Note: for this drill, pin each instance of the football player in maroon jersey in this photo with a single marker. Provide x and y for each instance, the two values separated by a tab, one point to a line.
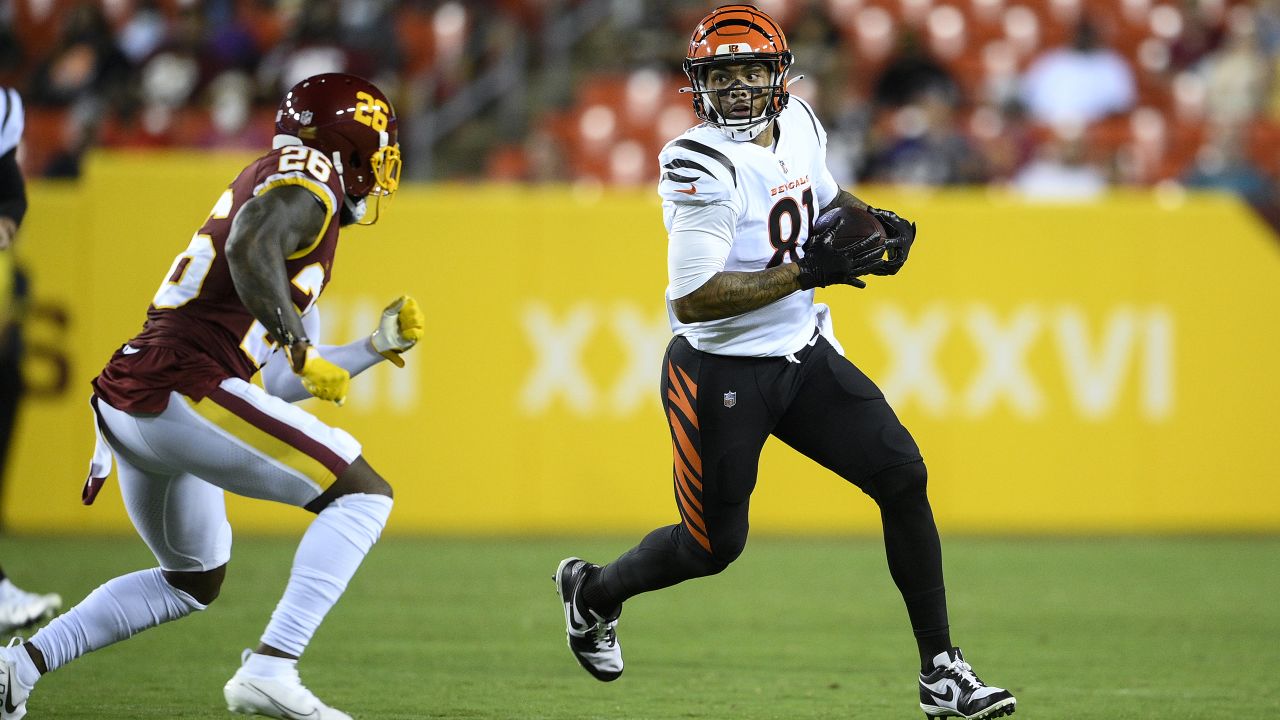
176	408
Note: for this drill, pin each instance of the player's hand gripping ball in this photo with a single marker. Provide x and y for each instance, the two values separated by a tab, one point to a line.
845	242
899	235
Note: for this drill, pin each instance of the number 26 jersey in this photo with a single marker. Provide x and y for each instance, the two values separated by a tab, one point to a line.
197	331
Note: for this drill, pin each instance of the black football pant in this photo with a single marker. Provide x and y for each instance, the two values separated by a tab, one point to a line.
721	409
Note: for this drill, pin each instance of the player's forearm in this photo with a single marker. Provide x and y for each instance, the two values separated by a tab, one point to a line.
255	249
846	199
732	293
266	296
355	357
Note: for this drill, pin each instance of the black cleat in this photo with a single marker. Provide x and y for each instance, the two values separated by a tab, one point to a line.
593	639
952	689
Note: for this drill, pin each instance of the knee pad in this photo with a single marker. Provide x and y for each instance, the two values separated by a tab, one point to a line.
723	555
901	483
723	552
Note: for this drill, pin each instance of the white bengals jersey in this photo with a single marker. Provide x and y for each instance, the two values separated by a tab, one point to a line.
774	195
11	120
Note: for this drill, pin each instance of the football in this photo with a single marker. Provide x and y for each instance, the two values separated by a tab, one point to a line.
859	227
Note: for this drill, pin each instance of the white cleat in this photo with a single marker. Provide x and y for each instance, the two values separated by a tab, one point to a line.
952	689
592	638
20	609
278	697
13	694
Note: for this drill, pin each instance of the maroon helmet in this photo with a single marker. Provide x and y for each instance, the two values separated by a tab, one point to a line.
351	121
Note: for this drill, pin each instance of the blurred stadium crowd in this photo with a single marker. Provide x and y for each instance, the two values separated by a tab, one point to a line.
1057	98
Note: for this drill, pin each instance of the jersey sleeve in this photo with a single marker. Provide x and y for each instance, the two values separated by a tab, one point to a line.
699	238
11	120
696	174
308	168
825	187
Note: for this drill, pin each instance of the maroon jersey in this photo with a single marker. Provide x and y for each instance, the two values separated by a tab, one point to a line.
198	332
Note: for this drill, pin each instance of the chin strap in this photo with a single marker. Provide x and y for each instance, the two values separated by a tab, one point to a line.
738	133
358	209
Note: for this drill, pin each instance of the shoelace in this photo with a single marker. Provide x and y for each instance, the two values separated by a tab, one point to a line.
604	634
962	672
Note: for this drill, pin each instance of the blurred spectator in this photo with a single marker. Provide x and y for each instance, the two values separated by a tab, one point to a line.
1236	76
1223	163
1078	84
815	43
230	98
170	77
546	158
927	146
477	79
1061	170
143	32
76	137
1200	36
229	43
1007	139
1268	17
84	67
912	73
314	46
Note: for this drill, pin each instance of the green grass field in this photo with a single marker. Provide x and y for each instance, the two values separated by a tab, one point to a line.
454	628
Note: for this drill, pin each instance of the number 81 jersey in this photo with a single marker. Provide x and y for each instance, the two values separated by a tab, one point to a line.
775	195
197	331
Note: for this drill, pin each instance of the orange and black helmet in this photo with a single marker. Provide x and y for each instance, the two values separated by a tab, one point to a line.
734	35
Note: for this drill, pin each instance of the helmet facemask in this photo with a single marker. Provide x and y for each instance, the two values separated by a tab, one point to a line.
713	99
353	123
385	166
737	35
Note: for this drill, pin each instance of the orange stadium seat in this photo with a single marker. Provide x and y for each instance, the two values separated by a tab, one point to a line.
616	118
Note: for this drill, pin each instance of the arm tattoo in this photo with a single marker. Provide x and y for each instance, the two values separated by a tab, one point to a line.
845	198
732	293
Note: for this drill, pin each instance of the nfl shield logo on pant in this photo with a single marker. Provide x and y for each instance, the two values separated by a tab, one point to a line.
730	399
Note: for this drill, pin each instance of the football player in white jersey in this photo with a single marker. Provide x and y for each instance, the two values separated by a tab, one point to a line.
744	200
18	608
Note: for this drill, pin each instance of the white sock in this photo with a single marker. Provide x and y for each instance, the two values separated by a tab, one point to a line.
330	551
7	588
27	671
267	666
118	609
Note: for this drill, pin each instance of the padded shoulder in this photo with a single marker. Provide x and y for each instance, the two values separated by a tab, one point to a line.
304	166
694	172
810	119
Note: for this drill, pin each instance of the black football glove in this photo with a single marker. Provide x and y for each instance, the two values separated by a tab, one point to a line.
832	260
899	234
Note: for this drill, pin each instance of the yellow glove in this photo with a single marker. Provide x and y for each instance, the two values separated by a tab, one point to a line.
322	378
399	329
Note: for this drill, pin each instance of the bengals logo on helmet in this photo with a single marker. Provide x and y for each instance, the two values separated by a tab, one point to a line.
738	34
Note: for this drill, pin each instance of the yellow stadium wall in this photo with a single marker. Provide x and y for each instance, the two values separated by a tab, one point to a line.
1065	368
